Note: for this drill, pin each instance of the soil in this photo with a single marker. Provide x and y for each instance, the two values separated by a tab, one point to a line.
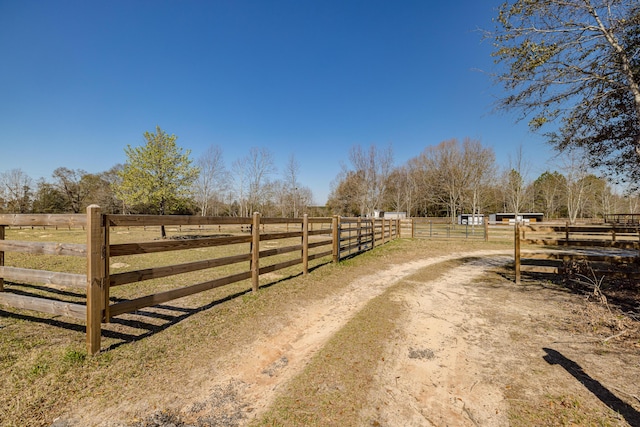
473	349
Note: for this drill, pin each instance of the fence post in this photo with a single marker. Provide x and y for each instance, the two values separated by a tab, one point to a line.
255	252
413	228
335	236
1	257
485	221
359	233
566	235
305	244
373	233
516	256
95	278
106	284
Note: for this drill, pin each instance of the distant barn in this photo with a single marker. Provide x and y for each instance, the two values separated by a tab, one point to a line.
510	217
471	219
389	215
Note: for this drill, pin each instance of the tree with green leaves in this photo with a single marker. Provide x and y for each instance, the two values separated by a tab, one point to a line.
158	173
575	63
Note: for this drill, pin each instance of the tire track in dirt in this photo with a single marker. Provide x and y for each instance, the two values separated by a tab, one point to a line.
248	382
433	377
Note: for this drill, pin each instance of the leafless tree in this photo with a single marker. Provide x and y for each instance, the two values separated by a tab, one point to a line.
213	179
374	167
576	171
17	187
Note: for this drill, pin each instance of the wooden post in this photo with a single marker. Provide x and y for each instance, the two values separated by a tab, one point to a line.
485	220
516	263
107	285
95	278
373	233
305	244
1	257
566	231
335	236
359	233
413	228
255	252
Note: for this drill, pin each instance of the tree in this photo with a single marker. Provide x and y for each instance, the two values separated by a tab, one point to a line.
213	178
577	62
345	196
576	183
49	199
69	182
479	163
157	173
548	191
260	165
372	167
17	187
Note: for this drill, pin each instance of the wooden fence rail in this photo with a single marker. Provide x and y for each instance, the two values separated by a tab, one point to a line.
606	243
336	237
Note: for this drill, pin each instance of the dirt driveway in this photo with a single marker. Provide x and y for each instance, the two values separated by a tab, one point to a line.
468	348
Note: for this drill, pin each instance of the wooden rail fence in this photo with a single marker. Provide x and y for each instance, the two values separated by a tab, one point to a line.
603	245
336	237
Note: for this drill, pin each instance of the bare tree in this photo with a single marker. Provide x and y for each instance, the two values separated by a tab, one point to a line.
514	182
213	178
239	179
17	187
260	166
576	170
479	162
374	167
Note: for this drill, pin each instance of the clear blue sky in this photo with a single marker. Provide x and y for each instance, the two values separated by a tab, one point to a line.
80	80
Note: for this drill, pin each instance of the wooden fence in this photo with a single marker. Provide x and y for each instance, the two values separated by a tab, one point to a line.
336	237
605	246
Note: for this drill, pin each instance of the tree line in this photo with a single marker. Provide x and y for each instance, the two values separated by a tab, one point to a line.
159	178
455	177
444	180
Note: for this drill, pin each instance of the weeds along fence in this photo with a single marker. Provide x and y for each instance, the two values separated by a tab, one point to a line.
608	249
245	249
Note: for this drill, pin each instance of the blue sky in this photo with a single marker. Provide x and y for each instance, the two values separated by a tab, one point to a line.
80	80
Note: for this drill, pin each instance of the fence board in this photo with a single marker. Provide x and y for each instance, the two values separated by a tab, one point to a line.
588	243
277	236
173	245
279	266
44	248
162	297
279	251
43	305
320	255
43	276
158	220
41	220
319	244
159	272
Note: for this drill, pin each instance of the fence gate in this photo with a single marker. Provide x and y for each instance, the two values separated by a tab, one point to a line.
355	235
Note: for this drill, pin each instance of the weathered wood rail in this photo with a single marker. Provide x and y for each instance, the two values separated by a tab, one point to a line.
336	237
605	246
